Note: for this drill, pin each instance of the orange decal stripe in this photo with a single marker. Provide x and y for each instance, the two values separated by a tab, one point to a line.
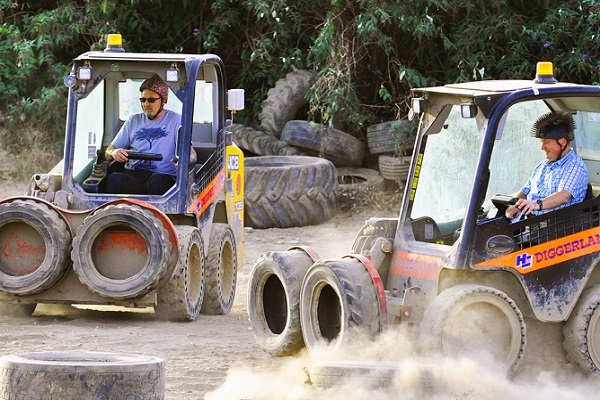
208	195
416	266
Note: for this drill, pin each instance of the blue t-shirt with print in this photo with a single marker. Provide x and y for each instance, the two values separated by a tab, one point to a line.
144	135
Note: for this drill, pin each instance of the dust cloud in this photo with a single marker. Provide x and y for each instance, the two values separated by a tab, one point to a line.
391	368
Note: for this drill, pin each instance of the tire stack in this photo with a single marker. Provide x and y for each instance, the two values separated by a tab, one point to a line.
298	172
393	149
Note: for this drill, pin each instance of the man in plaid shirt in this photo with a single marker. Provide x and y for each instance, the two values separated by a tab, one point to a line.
562	178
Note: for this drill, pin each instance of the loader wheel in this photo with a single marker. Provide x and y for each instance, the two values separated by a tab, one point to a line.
582	332
81	375
34	247
472	320
338	302
285	192
274	301
121	251
221	271
342	149
181	298
261	143
285	100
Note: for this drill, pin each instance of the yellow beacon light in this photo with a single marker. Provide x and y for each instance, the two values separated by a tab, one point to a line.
544	72
114	42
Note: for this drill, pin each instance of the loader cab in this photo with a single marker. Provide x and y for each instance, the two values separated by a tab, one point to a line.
473	150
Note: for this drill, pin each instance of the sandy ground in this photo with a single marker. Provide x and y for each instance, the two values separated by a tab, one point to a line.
216	357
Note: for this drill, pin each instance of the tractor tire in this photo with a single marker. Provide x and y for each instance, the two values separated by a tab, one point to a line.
274	301
181	298
285	192
342	149
382	140
260	143
473	320
117	235
34	247
582	332
81	375
221	271
338	302
394	168
415	378
285	100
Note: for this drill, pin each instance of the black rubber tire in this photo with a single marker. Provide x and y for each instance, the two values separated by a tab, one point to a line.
35	243
416	378
338	303
394	168
181	298
81	375
353	181
342	149
582	332
285	192
221	271
261	143
469	319
98	274
274	301
381	138
285	100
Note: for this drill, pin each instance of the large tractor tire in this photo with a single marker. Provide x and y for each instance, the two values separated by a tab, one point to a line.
285	100
338	302
475	321
181	298
342	149
274	301
582	332
34	247
261	143
221	271
285	192
121	251
81	375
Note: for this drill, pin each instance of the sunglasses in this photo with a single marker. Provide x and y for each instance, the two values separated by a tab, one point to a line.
150	100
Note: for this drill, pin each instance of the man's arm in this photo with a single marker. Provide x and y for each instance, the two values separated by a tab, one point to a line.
113	153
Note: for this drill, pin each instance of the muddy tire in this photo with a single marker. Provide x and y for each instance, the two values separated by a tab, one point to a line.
274	301
34	247
285	192
221	271
342	149
81	375
338	302
386	138
121	251
181	298
582	332
284	100
476	321
353	182
261	143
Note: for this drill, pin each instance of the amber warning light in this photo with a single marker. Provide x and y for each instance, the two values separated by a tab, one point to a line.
114	42
544	72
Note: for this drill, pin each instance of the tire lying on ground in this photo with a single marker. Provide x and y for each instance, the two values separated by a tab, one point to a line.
352	181
274	301
121	251
181	298
261	143
338	303
342	149
35	243
284	100
475	321
284	192
220	279
81	375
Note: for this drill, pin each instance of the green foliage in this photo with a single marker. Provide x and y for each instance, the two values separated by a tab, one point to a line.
368	53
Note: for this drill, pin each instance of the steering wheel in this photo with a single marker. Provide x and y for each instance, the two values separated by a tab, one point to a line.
145	156
502	202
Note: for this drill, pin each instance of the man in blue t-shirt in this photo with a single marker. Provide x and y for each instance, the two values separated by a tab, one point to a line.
153	131
562	178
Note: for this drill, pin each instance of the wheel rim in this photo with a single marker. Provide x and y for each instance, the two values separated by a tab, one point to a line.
593	334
